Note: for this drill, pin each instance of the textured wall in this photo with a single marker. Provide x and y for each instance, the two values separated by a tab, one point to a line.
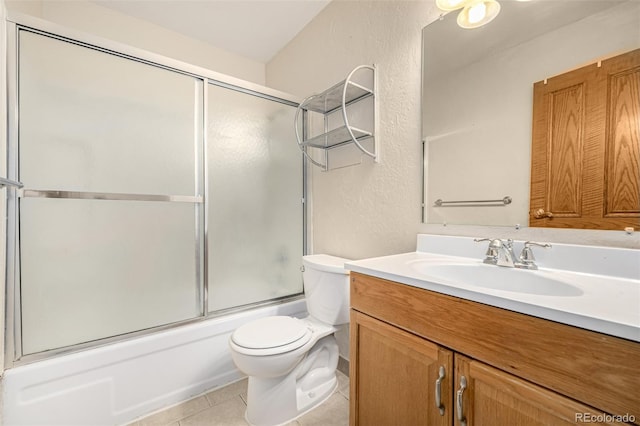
374	209
370	209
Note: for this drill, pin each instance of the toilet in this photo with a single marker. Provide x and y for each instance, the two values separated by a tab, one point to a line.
291	362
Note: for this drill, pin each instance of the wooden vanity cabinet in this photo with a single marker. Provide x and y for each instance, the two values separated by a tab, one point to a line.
518	370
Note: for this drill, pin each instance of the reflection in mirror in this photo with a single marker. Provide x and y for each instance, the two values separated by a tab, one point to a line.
478	94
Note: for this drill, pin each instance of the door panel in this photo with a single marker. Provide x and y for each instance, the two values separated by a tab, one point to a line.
585	162
493	397
394	374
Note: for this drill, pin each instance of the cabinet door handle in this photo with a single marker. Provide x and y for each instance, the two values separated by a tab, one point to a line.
459	396
439	405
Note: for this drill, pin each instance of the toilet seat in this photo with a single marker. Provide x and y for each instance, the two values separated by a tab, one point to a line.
271	335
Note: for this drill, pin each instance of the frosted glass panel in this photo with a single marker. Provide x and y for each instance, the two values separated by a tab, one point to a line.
93	269
92	121
255	191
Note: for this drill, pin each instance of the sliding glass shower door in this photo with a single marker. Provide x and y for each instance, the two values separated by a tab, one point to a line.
152	196
255	193
110	154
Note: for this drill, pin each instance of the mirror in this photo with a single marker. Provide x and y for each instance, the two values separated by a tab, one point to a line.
477	95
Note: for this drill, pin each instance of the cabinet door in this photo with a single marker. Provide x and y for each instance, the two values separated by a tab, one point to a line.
394	376
485	396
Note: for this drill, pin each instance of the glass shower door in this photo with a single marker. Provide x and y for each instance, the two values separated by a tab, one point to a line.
110	153
254	197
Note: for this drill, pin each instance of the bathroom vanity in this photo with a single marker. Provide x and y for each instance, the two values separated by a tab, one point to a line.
420	356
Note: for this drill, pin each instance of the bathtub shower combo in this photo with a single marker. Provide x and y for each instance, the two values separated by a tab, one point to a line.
159	202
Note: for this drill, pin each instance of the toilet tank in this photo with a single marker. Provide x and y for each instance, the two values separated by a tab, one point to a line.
326	288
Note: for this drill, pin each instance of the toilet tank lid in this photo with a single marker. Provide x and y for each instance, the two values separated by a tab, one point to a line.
325	262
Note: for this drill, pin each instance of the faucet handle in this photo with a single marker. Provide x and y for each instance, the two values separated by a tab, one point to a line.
493	242
495	245
478	240
528	244
527	259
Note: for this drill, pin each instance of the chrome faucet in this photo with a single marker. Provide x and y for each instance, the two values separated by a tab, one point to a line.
501	253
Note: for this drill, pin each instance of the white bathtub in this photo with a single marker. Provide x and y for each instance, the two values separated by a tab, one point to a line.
117	383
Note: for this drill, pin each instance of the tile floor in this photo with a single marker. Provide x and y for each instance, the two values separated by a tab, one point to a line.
226	406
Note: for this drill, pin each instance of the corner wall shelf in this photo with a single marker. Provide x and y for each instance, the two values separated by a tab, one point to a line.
337	100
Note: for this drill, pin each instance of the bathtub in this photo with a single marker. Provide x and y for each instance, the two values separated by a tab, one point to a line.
118	383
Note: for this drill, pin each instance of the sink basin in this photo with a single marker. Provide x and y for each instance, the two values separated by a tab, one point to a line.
497	278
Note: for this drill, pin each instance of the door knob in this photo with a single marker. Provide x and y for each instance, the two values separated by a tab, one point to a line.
540	214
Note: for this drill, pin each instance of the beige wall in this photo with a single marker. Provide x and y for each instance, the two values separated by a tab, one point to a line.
97	20
374	209
369	209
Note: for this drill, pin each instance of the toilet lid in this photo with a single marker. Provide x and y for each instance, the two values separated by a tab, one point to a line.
272	332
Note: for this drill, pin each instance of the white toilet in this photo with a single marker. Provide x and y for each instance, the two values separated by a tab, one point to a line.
291	362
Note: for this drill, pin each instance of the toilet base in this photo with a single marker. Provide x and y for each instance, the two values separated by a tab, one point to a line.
313	403
316	396
277	401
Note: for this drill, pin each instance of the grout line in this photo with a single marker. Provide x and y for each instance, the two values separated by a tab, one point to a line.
179	422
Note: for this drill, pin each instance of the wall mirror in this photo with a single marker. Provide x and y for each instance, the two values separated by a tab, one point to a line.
477	95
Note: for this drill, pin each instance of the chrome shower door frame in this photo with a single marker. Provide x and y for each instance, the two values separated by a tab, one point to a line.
15	23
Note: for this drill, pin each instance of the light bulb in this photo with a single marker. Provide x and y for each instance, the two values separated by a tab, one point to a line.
477	12
448	5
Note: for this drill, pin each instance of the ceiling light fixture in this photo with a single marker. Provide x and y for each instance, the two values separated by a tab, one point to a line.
474	13
448	5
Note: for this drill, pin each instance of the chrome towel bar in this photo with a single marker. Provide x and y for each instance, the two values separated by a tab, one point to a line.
502	202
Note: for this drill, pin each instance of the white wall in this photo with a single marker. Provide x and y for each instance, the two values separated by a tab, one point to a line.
104	22
375	209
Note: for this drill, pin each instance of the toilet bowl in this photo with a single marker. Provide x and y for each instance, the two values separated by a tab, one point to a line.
291	362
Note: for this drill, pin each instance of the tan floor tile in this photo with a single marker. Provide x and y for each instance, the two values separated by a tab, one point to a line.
227	413
226	407
228	392
343	384
168	424
176	413
333	412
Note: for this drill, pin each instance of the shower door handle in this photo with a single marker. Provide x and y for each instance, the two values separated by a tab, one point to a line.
8	182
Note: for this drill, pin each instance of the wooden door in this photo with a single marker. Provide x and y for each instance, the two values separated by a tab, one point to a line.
393	376
585	165
493	397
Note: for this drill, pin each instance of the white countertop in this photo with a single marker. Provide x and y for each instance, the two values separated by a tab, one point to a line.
604	303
